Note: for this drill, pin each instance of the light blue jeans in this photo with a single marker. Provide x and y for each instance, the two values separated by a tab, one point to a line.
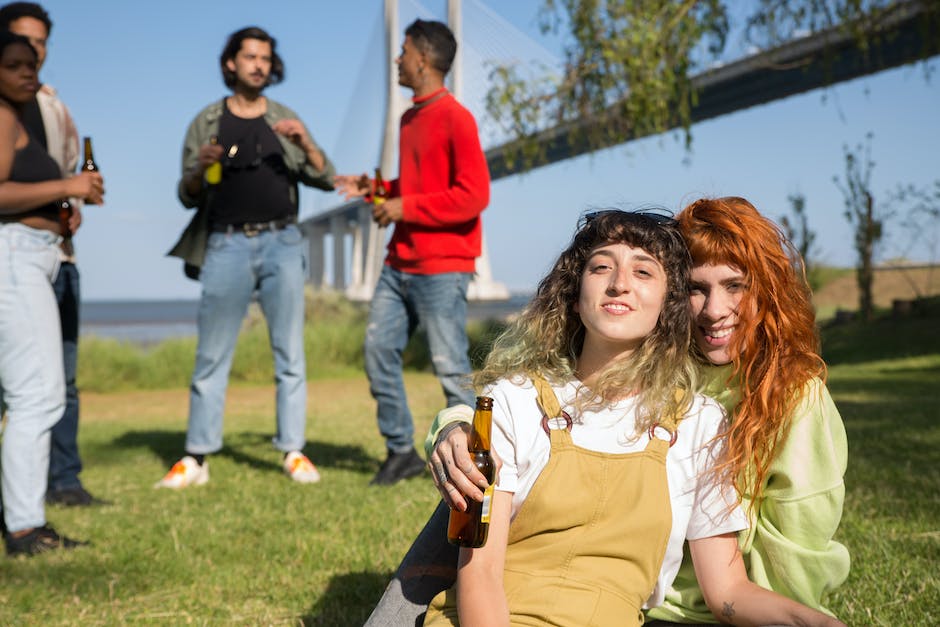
31	371
272	266
402	301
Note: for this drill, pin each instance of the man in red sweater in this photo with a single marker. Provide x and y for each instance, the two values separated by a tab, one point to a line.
435	205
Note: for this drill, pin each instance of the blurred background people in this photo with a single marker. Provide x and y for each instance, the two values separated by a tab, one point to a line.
243	157
50	123
31	366
443	186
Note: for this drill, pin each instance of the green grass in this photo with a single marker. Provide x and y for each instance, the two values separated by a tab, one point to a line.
252	548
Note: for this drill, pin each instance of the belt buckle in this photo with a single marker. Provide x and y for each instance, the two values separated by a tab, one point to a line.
250	230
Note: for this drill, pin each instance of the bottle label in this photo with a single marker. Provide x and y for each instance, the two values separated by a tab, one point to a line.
485	505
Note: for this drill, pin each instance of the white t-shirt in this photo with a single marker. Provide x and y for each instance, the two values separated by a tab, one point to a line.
700	508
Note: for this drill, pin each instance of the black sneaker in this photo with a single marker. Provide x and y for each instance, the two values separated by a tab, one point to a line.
39	540
73	497
398	466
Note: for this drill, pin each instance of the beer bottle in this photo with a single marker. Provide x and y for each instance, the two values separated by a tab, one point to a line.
89	165
214	172
65	214
469	528
380	193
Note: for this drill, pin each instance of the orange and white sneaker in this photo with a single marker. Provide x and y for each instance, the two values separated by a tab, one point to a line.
184	473
299	468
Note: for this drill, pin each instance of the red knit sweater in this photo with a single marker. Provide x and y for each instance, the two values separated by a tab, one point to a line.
444	184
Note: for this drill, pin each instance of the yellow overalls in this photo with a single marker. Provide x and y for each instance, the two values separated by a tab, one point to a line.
588	543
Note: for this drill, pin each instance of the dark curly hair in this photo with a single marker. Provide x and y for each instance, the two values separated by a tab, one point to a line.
234	44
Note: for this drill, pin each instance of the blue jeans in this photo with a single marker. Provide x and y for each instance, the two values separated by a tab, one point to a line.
31	378
64	461
402	301
271	265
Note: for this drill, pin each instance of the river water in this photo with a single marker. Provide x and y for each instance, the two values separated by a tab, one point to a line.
148	322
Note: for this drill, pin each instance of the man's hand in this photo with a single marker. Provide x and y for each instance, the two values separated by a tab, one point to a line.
208	154
455	475
296	134
389	211
294	131
352	186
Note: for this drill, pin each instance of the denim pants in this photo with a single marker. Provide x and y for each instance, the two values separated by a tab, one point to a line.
428	568
272	266
31	377
402	301
64	462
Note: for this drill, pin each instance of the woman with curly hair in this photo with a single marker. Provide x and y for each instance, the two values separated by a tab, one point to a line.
608	457
786	454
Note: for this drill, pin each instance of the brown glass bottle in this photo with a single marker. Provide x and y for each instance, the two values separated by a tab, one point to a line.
65	215
89	165
380	194
469	528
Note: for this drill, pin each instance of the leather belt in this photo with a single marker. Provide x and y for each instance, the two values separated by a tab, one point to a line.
250	229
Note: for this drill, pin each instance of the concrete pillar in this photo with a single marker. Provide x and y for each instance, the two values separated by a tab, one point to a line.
338	228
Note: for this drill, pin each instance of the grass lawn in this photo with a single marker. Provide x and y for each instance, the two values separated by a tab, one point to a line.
251	547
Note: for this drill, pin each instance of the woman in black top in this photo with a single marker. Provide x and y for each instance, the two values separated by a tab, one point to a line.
31	374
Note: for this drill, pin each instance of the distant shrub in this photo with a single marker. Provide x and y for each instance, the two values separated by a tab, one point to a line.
333	337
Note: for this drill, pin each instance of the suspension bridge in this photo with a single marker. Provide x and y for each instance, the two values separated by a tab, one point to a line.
347	248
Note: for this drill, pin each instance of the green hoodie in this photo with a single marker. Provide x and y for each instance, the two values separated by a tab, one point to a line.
789	547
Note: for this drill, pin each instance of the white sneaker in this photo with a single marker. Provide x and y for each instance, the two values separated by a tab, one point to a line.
184	473
299	468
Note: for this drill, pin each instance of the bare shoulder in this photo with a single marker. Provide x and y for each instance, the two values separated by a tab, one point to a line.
10	133
7	116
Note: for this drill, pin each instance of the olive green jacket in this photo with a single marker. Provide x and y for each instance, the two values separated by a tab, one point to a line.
191	247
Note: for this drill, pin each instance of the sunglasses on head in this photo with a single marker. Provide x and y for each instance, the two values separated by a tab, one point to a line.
637	217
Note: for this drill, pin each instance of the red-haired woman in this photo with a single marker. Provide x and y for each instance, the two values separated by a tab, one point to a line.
786	446
755	332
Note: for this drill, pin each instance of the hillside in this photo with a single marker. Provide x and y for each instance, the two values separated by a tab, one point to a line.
890	284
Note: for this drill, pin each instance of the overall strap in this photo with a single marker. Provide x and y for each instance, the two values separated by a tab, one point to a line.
670	422
546	396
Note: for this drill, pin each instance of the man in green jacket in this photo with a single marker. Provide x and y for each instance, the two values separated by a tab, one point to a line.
242	160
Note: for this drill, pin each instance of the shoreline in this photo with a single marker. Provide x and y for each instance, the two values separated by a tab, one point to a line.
150	322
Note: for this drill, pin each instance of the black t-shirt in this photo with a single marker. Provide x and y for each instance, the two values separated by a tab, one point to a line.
255	183
32	164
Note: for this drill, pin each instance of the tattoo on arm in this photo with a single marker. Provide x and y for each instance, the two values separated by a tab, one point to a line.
728	610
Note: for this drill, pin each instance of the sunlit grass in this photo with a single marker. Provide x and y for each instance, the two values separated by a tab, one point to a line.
253	548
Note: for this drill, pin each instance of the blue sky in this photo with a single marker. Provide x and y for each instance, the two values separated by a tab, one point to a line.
134	74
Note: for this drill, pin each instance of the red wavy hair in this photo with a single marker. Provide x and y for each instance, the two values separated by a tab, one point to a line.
775	350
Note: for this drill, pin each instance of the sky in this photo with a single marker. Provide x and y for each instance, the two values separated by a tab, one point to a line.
134	74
